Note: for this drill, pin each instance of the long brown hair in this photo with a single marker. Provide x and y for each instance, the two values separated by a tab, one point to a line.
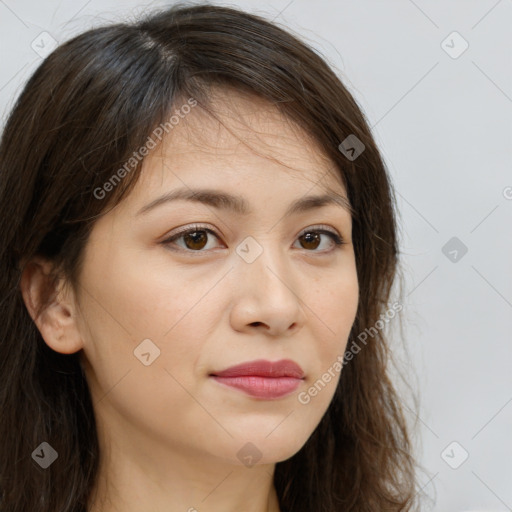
78	120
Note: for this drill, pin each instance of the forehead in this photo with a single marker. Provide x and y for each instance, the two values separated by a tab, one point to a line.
240	140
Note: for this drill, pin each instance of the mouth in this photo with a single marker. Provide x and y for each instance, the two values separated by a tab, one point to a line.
261	378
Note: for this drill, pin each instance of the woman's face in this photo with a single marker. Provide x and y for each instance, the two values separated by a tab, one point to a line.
158	318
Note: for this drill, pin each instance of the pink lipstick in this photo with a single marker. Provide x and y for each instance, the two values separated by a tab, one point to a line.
263	379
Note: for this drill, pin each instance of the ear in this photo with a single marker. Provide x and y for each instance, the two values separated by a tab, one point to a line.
57	320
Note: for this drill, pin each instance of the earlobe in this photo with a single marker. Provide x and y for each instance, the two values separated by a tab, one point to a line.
51	307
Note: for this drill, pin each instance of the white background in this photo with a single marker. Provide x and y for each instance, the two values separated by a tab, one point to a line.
444	126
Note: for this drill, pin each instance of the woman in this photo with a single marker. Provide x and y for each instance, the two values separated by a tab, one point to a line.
198	245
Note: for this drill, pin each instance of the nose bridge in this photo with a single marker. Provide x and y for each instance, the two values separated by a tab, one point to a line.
264	267
264	292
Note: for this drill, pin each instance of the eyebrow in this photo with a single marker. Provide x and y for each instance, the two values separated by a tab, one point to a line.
238	205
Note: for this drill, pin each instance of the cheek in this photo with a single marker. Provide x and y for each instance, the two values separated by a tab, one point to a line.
335	306
145	297
170	306
145	314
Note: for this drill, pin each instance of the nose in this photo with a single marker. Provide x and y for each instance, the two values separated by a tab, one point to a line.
266	296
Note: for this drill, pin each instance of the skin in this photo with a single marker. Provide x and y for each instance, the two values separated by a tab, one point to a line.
169	434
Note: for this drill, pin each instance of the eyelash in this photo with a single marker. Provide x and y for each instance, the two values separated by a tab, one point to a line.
337	239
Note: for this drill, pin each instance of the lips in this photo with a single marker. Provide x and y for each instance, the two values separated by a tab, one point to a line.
263	368
262	379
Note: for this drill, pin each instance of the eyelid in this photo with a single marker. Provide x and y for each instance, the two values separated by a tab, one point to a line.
189	229
197	227
320	227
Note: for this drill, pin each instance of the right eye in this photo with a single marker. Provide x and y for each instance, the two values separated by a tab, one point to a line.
195	239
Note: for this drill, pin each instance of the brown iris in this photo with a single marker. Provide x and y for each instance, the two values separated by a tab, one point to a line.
198	239
311	238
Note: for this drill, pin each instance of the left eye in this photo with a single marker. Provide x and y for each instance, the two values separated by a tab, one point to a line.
196	238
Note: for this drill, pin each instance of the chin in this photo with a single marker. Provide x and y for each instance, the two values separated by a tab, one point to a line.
258	449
